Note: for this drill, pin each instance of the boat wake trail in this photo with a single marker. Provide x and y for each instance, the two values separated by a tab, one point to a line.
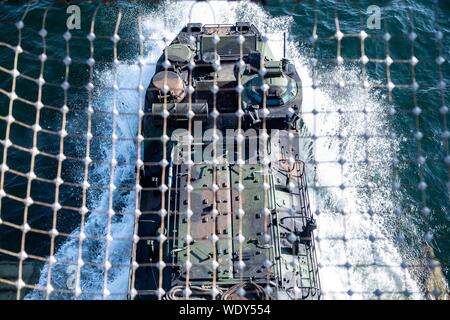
353	199
356	251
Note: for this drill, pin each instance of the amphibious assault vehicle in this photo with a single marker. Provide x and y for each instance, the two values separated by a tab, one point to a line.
224	209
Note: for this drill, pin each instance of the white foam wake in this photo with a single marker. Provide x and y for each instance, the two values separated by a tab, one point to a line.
353	179
127	75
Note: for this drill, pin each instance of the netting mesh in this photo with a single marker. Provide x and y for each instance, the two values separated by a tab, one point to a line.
72	221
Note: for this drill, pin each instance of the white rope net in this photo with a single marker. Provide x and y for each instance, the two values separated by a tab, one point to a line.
71	126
